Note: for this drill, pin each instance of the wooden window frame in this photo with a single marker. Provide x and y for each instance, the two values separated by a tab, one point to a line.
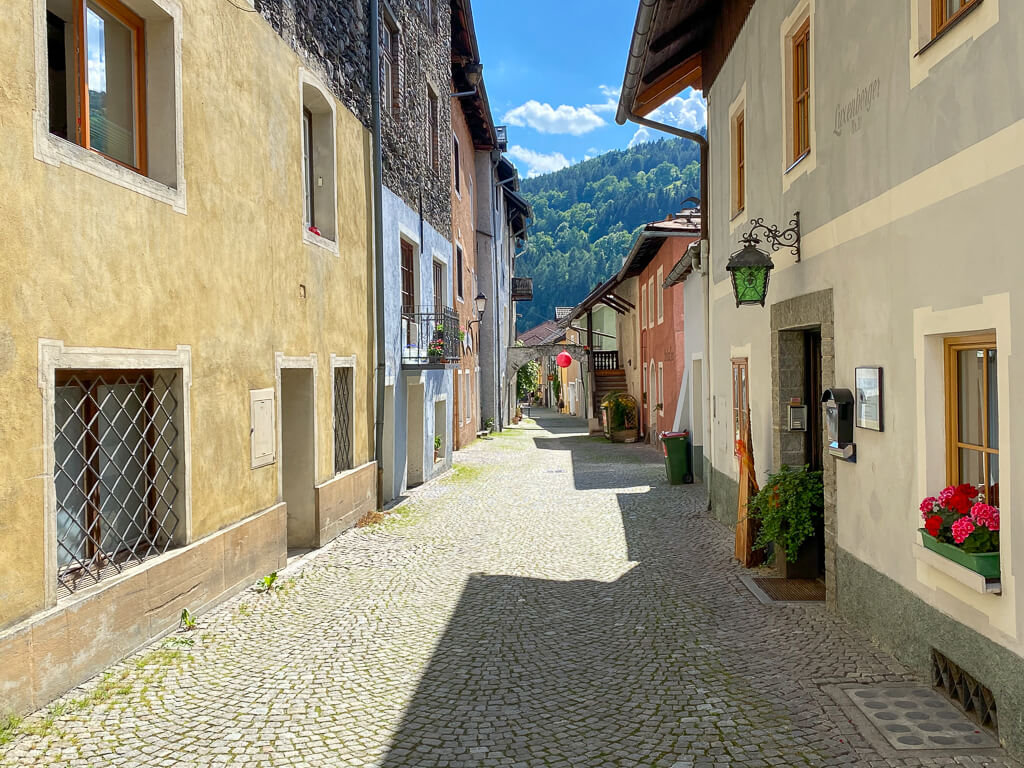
941	22
137	26
740	402
951	347
801	50
740	194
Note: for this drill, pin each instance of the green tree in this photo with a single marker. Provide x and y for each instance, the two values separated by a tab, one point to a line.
586	217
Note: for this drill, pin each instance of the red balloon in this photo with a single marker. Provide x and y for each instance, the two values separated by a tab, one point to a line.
563	360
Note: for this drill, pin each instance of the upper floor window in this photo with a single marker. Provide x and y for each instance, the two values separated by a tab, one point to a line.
947	12
458	271
389	52
307	167
739	191
661	294
97	79
456	165
434	131
801	90
318	162
650	302
972	414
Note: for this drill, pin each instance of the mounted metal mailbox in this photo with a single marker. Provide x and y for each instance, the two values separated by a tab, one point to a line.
839	420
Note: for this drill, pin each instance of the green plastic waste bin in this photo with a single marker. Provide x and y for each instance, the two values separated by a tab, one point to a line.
676	446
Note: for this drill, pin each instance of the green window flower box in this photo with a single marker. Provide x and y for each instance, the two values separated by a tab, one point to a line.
986	564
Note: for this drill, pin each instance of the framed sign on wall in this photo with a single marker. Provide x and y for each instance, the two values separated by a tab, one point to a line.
869	398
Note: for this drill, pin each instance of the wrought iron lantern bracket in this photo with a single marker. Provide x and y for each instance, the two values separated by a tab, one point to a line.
773	236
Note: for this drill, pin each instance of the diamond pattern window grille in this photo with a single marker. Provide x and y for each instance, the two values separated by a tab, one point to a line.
342	419
973	698
116	460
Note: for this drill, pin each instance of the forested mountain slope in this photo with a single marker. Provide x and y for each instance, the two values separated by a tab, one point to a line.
586	217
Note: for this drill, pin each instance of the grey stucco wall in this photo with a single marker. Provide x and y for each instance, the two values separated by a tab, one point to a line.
907	212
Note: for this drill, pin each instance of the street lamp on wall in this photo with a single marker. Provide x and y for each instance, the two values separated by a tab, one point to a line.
750	267
480	303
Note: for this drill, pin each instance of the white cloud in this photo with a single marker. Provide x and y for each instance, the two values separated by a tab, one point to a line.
561	119
687	111
537	162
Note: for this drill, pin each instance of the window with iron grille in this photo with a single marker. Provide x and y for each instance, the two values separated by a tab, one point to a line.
343	459
117	457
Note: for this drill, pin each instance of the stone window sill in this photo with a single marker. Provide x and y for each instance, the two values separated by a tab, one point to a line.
321	242
957	572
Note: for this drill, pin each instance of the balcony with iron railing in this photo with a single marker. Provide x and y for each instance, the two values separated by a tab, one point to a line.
605	360
431	337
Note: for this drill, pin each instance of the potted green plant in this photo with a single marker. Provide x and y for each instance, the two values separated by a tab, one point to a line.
962	529
437	447
789	510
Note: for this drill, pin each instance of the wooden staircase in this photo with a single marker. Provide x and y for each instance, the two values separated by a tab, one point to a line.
608	381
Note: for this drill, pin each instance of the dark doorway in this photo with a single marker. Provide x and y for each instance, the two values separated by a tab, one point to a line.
814	445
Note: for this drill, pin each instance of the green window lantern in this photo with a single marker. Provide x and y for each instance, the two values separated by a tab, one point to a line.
750	269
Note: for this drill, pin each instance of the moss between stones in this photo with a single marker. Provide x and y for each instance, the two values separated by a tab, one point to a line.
871	600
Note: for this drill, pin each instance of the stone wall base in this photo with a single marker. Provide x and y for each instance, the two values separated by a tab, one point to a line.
724	493
908	628
50	653
343	500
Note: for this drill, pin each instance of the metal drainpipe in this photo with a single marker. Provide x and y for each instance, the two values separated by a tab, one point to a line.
498	420
380	369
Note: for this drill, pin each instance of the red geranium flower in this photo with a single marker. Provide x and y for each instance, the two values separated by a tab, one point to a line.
933	525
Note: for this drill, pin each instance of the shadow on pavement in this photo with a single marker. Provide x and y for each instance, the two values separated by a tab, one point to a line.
641	670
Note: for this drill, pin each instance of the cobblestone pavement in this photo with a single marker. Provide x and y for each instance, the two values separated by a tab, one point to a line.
552	602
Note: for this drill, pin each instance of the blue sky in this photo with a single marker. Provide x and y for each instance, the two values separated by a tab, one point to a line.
553	69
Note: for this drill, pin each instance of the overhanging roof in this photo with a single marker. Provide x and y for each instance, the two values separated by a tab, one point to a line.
466	60
683	267
653	236
666	52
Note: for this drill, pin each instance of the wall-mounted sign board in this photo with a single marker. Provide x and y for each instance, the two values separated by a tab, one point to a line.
869	398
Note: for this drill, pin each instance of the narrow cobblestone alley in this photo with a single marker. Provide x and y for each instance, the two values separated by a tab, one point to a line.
551	602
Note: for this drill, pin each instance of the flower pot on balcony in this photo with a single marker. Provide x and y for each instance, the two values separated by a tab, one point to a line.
985	564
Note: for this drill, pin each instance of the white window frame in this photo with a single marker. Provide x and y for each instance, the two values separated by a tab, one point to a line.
661	295
795	168
650	302
643	307
931	328
56	151
54	356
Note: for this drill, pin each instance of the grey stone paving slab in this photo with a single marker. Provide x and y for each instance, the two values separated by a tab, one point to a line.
551	602
917	717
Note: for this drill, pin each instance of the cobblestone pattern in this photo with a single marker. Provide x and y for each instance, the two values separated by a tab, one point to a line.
552	602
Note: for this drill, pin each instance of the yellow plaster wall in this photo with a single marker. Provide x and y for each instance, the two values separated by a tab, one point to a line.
93	264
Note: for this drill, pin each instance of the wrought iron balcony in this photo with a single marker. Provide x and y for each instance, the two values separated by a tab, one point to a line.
430	337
